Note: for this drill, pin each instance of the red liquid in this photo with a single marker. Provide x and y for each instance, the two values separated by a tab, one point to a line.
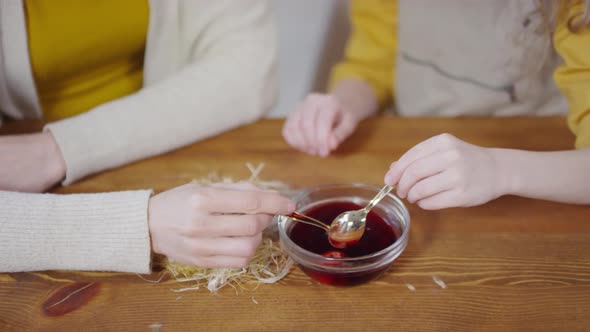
378	235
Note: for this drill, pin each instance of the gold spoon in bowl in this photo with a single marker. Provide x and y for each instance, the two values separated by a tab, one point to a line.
348	227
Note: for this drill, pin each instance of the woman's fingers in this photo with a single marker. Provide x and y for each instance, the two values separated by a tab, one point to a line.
244	246
230	225
226	201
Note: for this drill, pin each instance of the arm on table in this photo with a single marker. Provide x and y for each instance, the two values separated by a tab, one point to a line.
446	172
219	225
99	232
230	81
561	176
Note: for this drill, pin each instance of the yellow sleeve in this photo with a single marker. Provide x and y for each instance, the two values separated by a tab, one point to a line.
371	49
573	76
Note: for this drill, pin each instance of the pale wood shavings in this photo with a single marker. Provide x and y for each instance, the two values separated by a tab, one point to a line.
439	282
155	327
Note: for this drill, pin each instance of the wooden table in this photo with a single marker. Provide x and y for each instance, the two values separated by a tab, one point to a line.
513	264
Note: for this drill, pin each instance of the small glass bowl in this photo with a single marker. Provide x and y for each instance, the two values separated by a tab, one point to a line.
347	271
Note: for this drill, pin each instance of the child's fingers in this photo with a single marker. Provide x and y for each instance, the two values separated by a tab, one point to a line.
332	105
332	142
344	128
430	186
291	132
297	129
308	126
325	123
420	150
289	137
389	176
418	170
443	200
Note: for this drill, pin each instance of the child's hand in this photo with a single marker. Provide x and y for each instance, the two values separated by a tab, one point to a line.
216	226
444	172
319	125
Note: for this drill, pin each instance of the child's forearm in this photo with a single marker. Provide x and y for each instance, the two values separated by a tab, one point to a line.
357	96
562	176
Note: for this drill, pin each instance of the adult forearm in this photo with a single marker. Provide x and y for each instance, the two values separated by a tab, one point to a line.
228	79
562	176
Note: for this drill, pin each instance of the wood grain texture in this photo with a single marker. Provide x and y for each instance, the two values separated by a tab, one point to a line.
511	265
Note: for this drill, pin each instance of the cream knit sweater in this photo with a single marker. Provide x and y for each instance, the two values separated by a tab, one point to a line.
209	66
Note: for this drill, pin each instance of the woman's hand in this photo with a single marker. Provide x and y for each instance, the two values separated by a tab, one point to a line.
30	163
215	226
444	172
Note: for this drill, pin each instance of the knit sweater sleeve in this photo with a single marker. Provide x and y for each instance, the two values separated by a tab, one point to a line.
221	60
98	232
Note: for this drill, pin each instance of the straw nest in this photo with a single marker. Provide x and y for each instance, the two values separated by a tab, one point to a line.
269	265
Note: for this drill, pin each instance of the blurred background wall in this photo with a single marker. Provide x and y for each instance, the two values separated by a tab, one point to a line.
312	36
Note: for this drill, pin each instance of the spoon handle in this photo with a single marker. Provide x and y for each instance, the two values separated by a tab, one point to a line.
308	222
299	215
379	197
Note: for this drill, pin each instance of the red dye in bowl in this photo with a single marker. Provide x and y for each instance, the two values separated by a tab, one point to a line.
378	235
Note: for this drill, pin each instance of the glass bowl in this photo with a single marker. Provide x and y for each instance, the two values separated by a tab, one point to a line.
347	271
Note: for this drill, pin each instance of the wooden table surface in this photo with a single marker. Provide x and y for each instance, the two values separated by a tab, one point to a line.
514	264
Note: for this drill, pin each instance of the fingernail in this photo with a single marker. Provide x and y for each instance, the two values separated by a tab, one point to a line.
291	206
333	143
388	180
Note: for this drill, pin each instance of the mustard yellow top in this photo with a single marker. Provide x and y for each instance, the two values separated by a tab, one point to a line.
371	51
372	47
85	53
573	77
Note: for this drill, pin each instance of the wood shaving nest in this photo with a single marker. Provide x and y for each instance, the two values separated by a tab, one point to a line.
269	265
